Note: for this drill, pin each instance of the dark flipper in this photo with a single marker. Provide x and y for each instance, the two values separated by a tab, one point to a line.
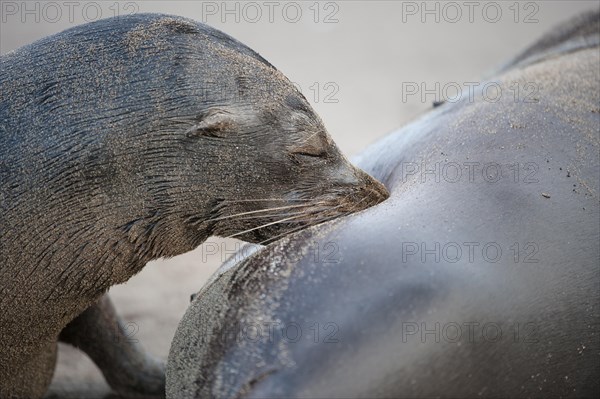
99	333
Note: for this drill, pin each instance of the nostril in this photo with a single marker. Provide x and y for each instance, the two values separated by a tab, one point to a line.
377	190
372	190
378	195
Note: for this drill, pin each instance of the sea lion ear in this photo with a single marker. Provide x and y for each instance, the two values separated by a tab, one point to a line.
214	123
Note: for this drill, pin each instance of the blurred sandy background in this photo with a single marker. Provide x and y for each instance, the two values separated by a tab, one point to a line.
352	68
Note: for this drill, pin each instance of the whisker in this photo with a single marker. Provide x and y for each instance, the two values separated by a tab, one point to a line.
257	211
263	226
273	215
264	199
317	221
301	213
322	220
292	216
323	210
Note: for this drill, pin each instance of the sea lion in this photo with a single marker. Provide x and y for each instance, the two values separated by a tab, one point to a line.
131	139
472	285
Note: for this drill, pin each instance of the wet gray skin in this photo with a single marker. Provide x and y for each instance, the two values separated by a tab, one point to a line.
136	138
385	303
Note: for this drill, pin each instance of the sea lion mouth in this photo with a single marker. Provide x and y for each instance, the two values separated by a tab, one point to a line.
265	220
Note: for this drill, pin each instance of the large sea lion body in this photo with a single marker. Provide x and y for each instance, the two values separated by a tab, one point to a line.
482	285
135	138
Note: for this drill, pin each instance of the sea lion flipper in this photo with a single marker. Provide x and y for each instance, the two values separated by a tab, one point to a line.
102	335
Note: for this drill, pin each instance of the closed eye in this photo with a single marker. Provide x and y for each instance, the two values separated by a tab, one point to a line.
312	154
308	157
312	148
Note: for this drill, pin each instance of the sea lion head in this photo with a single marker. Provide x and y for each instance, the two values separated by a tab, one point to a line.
251	157
283	170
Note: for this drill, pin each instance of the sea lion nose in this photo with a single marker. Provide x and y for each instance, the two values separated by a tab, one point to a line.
380	192
375	191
